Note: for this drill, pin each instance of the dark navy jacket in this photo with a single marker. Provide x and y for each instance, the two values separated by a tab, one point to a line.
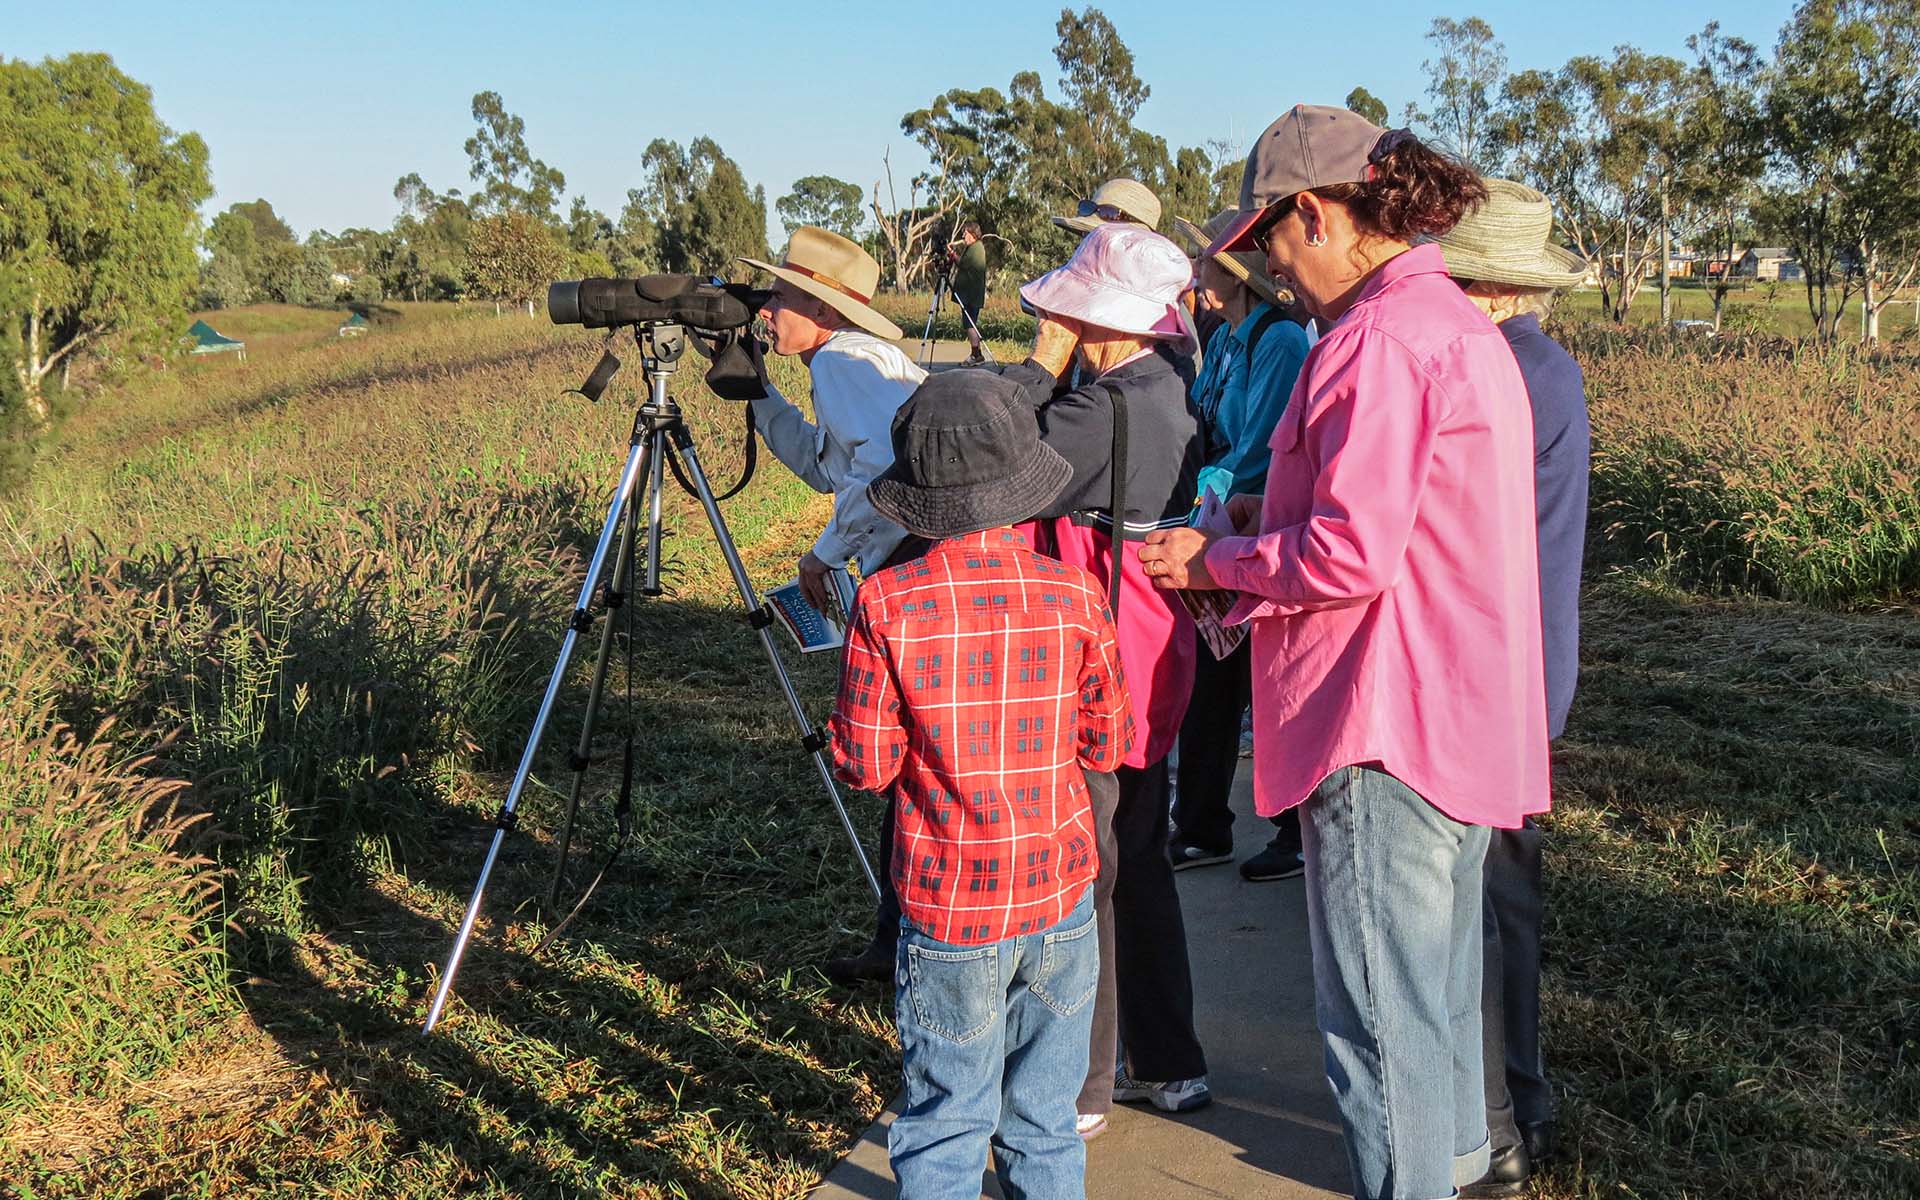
1163	441
1561	448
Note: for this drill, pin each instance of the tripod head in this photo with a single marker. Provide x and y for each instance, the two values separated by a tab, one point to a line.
661	345
733	375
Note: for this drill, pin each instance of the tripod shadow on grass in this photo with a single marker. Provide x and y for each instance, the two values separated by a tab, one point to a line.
676	1036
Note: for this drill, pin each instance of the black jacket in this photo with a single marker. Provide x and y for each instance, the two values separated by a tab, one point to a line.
1164	451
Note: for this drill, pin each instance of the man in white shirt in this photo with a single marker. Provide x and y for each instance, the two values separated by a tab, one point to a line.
820	311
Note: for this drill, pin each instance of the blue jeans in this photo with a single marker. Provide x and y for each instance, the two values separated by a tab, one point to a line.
993	1043
1393	908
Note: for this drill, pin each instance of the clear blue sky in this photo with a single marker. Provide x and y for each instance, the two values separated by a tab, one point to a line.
320	108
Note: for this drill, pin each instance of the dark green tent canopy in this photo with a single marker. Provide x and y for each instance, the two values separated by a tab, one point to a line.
208	340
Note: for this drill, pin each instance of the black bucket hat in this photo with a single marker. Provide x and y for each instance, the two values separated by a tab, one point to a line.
967	455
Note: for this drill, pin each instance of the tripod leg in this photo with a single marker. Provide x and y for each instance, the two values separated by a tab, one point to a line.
683	444
926	337
656	487
581	619
619	592
967	318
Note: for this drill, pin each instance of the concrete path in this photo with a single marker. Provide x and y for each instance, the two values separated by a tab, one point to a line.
1271	1132
945	353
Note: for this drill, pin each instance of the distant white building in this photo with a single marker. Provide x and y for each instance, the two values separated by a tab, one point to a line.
1767	263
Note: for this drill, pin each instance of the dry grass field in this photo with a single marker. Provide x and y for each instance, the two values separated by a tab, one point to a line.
274	631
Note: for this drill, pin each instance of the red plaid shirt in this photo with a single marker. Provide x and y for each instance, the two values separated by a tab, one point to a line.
978	681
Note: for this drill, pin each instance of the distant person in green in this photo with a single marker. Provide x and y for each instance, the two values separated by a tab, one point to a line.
970	282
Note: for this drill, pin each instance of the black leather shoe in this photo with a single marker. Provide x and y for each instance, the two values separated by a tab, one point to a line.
871	965
1540	1138
1506	1174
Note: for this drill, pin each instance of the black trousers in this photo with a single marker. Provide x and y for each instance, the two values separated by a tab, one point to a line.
1145	998
886	932
1210	746
1210	750
1516	1075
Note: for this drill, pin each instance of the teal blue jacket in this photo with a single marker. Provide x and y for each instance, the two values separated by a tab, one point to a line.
1240	397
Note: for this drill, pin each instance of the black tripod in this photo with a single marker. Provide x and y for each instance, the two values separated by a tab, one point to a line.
660	437
942	288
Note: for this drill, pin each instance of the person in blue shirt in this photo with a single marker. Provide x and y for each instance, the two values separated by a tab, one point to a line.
1251	358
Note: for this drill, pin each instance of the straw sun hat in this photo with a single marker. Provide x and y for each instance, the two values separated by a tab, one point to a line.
1509	239
836	272
1248	266
1134	200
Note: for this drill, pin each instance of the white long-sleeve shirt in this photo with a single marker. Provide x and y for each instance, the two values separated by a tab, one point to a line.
859	382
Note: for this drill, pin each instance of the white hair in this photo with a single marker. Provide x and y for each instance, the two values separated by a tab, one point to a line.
1526	301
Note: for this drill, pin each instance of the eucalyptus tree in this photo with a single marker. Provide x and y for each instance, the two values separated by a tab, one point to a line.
1603	138
511	179
1843	109
1464	80
98	216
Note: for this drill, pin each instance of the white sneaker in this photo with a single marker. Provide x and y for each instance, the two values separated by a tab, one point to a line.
1174	1096
1090	1125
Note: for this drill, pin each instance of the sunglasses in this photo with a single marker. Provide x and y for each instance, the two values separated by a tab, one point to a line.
1106	212
1262	232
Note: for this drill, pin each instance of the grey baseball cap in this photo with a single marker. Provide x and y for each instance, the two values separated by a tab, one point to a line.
1310	146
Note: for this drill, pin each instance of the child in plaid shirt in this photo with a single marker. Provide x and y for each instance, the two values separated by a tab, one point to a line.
980	681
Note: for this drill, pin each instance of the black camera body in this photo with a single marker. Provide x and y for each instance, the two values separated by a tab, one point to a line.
690	300
716	314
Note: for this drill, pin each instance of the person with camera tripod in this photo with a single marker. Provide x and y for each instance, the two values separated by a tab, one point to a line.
968	254
819	310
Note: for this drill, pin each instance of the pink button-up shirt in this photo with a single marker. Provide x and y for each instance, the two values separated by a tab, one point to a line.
1394	589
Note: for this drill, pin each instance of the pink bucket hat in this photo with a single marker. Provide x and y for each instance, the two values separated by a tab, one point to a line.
1125	278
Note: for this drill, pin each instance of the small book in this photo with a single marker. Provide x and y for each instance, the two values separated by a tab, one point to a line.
1209	609
811	629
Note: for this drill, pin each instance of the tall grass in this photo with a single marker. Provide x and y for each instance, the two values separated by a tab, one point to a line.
329	583
1756	465
108	939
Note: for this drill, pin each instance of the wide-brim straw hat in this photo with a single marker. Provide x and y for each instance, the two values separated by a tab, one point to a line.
834	270
1509	239
1248	266
967	455
1124	278
1130	196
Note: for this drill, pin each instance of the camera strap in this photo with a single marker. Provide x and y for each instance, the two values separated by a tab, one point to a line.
749	458
1117	502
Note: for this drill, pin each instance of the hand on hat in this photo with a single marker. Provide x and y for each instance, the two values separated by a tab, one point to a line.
1176	559
1054	342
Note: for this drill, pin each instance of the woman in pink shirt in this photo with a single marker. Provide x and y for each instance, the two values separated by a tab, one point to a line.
1390	575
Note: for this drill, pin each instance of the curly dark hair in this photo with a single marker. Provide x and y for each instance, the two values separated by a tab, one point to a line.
1414	190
